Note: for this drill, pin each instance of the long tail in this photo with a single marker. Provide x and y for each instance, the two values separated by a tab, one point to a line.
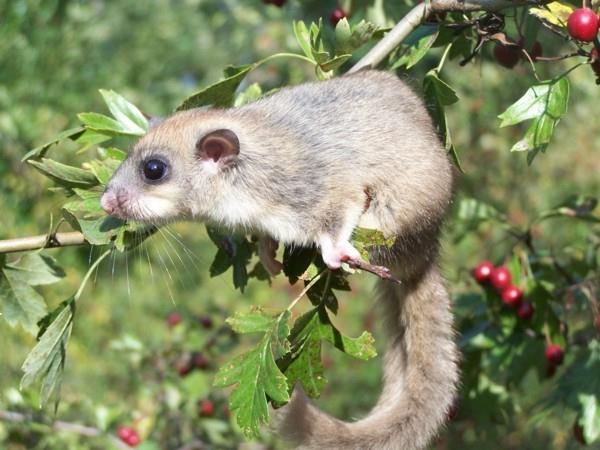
420	377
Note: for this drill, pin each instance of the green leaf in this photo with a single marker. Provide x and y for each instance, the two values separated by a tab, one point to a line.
37	269
64	175
253	322
251	94
438	95
365	239
104	124
343	34
472	210
255	374
21	304
546	103
420	42
308	369
590	417
100	231
235	248
126	113
40	151
334	63
303	37
220	94
555	13
46	360
89	138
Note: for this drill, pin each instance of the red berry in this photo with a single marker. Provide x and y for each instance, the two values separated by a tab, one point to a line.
336	15
206	408
583	24
511	296
578	432
525	310
555	354
134	440
123	432
128	435
507	55
206	322
199	361
482	272
500	278
174	319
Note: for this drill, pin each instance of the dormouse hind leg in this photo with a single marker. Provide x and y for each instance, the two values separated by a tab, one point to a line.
267	248
335	245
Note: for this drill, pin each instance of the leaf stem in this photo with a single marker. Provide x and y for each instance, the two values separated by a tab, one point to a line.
89	273
284	55
439	67
306	289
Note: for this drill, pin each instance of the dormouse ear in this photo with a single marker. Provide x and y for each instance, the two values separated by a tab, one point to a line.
219	146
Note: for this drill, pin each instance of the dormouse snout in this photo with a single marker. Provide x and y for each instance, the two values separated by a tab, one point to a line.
108	202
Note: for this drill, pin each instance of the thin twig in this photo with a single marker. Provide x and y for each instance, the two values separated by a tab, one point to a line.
62	426
42	241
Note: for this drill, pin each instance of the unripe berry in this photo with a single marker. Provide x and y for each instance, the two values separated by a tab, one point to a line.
500	278
583	24
511	296
554	354
336	15
482	272
525	310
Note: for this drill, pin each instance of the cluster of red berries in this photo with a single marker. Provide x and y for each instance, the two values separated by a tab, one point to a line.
501	280
129	436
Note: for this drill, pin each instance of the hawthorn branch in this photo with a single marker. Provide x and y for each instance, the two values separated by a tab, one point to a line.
396	35
419	13
61	426
42	241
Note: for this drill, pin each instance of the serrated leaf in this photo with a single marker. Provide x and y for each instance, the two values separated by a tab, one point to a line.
46	359
252	322
555	13
220	94
303	37
40	151
100	231
63	174
546	103
308	369
107	125
21	304
125	113
257	379
37	269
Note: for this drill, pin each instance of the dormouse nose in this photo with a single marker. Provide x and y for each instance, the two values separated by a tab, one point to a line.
109	202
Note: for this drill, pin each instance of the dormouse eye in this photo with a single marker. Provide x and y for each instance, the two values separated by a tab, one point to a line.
154	169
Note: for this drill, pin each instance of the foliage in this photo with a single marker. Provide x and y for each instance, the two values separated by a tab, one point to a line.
503	355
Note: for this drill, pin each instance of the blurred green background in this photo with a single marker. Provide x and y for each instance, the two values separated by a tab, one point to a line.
56	54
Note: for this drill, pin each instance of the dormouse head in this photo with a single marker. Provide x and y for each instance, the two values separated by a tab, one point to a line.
172	172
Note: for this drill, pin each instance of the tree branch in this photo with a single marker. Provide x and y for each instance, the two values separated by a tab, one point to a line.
419	13
377	54
42	241
59	425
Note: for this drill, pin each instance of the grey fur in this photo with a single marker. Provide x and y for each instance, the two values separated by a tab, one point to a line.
311	157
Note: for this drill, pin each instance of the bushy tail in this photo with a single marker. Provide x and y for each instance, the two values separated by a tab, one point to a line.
420	377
